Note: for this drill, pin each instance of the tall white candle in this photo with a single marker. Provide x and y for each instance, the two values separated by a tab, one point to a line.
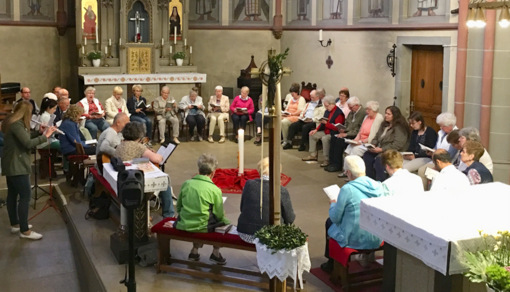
240	135
97	36
120	41
106	50
85	41
162	41
175	35
320	35
184	42
190	49
170	49
82	50
109	42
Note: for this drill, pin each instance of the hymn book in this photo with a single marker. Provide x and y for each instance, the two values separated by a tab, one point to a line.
349	141
241	109
423	147
340	126
166	151
332	192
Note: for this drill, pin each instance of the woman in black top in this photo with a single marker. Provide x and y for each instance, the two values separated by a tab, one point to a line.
421	135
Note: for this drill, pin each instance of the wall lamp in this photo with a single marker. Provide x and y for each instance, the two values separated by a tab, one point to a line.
476	15
328	43
391	59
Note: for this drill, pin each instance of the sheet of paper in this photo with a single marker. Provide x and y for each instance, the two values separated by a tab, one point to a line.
224	199
332	192
431	173
89	142
349	141
166	151
406	153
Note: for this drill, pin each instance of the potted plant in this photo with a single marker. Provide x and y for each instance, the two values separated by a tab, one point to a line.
95	57
490	264
282	251
179	57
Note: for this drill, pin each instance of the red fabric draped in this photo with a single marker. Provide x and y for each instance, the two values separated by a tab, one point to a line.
229	181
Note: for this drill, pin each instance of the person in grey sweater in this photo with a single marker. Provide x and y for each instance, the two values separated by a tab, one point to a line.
250	220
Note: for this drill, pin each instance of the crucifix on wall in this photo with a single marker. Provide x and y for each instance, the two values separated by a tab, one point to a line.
139	23
138	27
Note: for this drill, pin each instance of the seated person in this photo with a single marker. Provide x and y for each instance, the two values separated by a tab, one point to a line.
343	222
352	125
341	101
94	112
137	106
393	134
48	108
369	128
131	148
250	220
218	108
115	104
401	181
110	139
166	110
72	134
476	172
313	111
200	206
260	118
333	115
293	110
421	134
242	108
472	134
194	116
449	178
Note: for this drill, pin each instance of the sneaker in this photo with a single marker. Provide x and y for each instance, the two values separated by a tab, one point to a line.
302	148
210	139
287	146
327	266
325	163
192	139
222	139
161	141
149	144
218	260
16	229
310	158
194	257
258	139
176	141
341	175
332	168
33	235
200	139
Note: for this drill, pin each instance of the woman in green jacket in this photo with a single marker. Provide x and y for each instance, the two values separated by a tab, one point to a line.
16	165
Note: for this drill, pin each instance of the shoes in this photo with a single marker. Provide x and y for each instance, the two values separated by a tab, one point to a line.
33	235
210	139
176	141
16	229
302	148
200	139
327	266
194	257
258	139
222	139
343	174
310	158
218	260
365	259
149	144
287	146
161	141
192	139
325	163
332	168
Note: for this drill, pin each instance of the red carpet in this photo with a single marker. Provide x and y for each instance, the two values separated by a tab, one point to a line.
228	180
324	277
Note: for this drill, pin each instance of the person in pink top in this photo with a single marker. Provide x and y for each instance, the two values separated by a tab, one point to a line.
242	108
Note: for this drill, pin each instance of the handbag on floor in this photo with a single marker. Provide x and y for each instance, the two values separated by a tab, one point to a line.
99	207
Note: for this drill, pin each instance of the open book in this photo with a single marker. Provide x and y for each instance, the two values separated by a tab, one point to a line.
170	103
431	173
91	142
141	104
340	126
332	192
406	153
306	120
349	141
166	151
241	109
285	113
369	146
324	119
225	229
423	147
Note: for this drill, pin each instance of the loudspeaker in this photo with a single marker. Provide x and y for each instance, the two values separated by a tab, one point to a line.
130	188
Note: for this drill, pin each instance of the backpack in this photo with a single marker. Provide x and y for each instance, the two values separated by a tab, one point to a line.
148	254
99	207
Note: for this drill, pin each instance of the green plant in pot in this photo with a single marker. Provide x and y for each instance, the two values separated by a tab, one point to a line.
95	57
179	57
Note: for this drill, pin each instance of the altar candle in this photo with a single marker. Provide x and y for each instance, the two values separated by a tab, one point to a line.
175	35
320	35
184	42
120	41
97	36
85	41
162	41
82	50
240	138
190	49
170	49
106	50
109	42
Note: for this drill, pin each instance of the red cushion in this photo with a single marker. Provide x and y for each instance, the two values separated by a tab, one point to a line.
211	237
102	180
341	254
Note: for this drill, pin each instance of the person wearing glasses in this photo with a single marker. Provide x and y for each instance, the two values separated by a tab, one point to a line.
25	95
137	106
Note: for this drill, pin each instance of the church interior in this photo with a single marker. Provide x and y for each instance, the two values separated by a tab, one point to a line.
416	55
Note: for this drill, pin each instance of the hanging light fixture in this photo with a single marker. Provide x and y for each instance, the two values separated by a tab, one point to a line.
480	18
471	18
504	17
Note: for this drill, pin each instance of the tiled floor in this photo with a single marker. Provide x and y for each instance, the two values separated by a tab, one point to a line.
48	265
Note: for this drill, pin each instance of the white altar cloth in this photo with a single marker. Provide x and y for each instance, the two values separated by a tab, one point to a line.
154	180
437	227
93	79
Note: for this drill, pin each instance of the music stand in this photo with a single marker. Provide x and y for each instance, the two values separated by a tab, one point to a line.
36	186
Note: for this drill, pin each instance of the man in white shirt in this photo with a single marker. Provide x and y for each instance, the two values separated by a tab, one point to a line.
401	181
449	177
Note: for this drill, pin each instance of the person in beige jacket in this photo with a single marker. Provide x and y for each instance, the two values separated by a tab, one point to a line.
218	108
115	104
165	108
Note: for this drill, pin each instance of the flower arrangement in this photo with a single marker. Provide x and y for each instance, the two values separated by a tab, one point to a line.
94	55
278	237
179	55
491	264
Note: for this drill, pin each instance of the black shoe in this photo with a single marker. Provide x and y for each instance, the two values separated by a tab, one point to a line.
302	148
327	266
194	257
287	146
218	260
332	168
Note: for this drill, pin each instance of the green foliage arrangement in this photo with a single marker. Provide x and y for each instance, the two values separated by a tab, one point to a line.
94	55
278	237
491	264
179	55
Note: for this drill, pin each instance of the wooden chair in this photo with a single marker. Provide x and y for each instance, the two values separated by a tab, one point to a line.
78	164
306	89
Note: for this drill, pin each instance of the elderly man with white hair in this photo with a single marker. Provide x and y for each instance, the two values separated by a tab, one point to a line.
344	212
165	108
218	108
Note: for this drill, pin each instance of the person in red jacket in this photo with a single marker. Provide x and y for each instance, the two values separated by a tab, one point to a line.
242	109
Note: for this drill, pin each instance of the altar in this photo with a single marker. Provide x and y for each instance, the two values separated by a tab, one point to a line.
431	231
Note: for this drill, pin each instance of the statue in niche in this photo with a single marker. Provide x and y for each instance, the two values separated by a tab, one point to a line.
375	8
302	9
175	22
426	5
252	9
138	24
89	23
204	8
35	7
335	9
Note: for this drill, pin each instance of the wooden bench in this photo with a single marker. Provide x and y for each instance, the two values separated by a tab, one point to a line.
165	234
341	272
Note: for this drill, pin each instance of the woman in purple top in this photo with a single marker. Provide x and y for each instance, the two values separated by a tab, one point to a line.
242	108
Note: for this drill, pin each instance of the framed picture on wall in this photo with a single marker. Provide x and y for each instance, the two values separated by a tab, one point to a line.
5	10
425	11
334	12
37	10
298	12
251	12
372	11
204	12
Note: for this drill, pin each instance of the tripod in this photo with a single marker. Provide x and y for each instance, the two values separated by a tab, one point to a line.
36	186
50	203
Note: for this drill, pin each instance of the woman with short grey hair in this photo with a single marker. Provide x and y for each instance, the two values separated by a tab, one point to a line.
367	131
207	164
472	134
194	116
